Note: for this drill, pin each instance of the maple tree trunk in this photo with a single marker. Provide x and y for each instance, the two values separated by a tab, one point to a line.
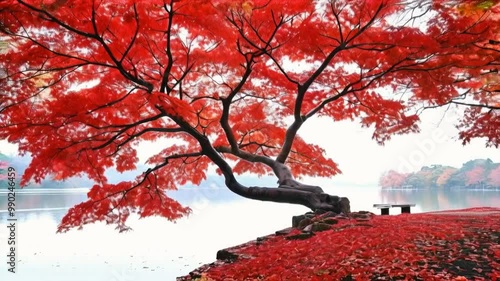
288	191
291	191
316	201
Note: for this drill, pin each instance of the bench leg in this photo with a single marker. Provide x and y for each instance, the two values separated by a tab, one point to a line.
384	211
405	210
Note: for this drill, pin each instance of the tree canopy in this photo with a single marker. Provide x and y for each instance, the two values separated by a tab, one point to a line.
84	82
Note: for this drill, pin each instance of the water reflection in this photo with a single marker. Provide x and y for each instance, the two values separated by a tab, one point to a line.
30	204
55	203
39	198
436	199
157	249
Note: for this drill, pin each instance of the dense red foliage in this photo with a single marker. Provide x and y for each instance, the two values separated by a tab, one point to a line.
494	178
392	179
475	175
444	246
232	81
443	178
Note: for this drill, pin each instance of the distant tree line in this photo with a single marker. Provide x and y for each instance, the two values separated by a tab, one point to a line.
478	173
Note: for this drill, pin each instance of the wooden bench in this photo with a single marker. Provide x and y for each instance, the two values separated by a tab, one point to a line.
384	208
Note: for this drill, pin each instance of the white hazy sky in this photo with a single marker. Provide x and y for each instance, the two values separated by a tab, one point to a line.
362	160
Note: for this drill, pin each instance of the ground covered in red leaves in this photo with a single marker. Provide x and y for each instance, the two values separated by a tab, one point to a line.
459	245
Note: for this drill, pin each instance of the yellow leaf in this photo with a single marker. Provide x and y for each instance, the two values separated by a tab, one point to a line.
247	7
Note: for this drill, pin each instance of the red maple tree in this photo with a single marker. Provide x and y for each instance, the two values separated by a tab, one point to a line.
494	177
392	179
482	118
475	176
232	82
445	175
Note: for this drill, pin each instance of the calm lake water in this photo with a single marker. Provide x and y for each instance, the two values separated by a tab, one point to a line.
160	250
